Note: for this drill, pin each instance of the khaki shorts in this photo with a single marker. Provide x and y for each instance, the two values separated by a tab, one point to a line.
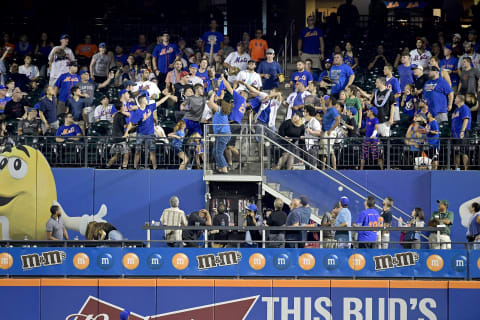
121	147
315	59
327	144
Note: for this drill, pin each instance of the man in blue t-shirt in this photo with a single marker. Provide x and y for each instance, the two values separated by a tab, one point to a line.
450	64
311	44
439	95
76	106
368	218
432	139
393	84
370	145
331	120
145	117
269	70
405	72
212	36
64	85
341	75
69	130
300	75
461	123
163	57
343	219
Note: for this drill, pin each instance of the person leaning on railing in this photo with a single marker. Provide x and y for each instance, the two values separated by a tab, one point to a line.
442	216
278	218
291	130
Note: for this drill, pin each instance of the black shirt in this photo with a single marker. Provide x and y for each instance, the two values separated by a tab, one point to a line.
118	127
193	219
387	217
14	110
221	219
30	127
383	111
420	82
180	93
277	219
288	129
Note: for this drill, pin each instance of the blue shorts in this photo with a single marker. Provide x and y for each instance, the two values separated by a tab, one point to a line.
147	140
193	126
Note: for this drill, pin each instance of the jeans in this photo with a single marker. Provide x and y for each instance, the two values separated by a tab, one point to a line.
220	145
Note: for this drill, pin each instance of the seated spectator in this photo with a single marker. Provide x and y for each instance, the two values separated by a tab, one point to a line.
31	71
301	75
86	49
120	56
76	106
296	100
441	217
368	218
69	131
139	51
380	60
328	220
15	108
257	47
270	71
31	126
102	231
174	217
420	56
220	219
21	80
236	62
227	49
104	111
415	137
200	218
120	145
343	219
178	136
277	218
23	46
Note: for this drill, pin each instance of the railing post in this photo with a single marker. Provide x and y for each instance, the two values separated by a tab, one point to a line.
205	232
449	153
86	151
388	153
145	144
328	152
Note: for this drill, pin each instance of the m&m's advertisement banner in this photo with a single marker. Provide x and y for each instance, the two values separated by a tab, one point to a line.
232	262
252	299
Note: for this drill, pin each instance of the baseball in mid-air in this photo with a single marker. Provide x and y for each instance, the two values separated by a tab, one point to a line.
340	188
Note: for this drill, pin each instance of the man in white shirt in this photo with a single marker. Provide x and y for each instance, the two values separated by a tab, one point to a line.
29	69
59	58
147	85
296	99
194	79
104	110
249	76
420	56
313	130
236	61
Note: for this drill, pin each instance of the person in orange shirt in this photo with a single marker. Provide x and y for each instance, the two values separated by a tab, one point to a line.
257	47
87	49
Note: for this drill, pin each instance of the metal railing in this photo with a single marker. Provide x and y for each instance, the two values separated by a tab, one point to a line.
287	46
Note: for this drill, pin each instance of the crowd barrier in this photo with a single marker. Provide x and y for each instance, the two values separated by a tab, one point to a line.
219	299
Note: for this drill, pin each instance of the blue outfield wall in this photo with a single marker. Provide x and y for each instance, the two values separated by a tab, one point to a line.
220	299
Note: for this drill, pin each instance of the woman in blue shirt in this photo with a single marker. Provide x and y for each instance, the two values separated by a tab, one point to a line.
179	134
220	126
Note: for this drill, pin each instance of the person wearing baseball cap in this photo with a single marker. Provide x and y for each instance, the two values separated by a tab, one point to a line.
58	59
343	219
100	64
252	219
441	217
370	145
236	62
270	71
250	77
194	79
124	315
450	64
439	95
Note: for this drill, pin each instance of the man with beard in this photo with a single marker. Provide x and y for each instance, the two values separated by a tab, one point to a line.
249	76
236	62
469	53
439	95
341	74
420	56
55	227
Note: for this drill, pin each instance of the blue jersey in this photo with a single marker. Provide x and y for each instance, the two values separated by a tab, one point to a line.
406	76
272	69
340	76
436	92
311	40
210	35
451	64
329	118
368	218
165	55
304	77
394	85
65	83
348	60
370	128
409	107
204	76
432	139
144	119
3	102
177	143
457	120
239	108
69	131
264	115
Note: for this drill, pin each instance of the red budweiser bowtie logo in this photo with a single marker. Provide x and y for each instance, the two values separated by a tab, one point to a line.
96	309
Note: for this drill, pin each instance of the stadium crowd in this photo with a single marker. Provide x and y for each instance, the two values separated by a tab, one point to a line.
167	90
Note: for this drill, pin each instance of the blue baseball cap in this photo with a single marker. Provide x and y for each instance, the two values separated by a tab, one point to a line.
252	207
374	110
326	97
344	201
353	111
102	45
449	47
194	65
82	72
328	60
120	94
124	314
128	83
36	106
64	36
2	87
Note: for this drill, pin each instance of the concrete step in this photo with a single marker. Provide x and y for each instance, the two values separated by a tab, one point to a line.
287	194
275	186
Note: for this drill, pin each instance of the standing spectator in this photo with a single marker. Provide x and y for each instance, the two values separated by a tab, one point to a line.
202	72
368	218
296	99
100	64
417	221
86	49
174	217
257	47
331	120
405	72
370	145
445	217
393	84
220	219
227	49
200	218
23	47
313	130
293	220
420	56
343	219
301	75
342	75
64	85
104	111
461	123
88	89
419	80
55	227
450	65
328	220
436	91
408	101
31	71
42	50
349	56
48	110
433	134
380	60
194	79
352	102
120	145
76	106
348	16
59	59
17	107
469	53
173	77
139	51
31	126
251	219
473	233
384	101
21	80
147	85
473	104
311	44
164	56
250	77
435	62
69	131
277	218
236	62
212	37
469	78
386	217
194	106
220	126
178	134
291	130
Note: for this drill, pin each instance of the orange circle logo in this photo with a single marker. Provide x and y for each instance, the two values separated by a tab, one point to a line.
306	261
130	261
435	263
180	261
257	261
6	261
356	262
81	261
478	263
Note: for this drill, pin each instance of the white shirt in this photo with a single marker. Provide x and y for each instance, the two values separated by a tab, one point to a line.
193	80
274	105
250	78
207	113
239	61
150	87
314	125
31	72
102	113
290	100
60	67
420	59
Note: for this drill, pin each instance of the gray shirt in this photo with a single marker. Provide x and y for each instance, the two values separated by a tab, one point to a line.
88	88
195	107
328	219
55	227
101	65
469	81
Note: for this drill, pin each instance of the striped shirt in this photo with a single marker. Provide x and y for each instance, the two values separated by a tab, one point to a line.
173	217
